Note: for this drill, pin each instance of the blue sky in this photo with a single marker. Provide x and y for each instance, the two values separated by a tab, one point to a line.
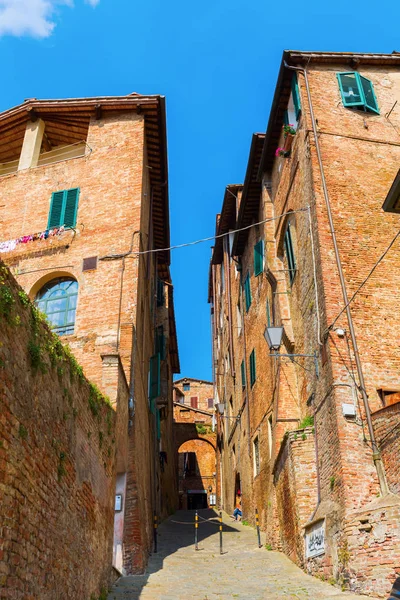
215	61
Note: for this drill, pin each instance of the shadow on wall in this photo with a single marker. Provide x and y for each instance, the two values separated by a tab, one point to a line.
174	533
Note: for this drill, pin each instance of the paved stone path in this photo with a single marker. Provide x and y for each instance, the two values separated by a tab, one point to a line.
244	571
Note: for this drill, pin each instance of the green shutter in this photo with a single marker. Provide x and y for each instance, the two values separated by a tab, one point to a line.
350	89
70	207
252	368
286	118
291	261
56	209
63	208
369	94
259	258
247	292
154	386
243	373
160	342
296	96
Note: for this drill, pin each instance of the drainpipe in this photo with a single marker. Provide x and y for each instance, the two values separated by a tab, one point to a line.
376	455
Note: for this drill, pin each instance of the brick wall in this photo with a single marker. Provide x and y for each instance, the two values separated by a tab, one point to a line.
57	465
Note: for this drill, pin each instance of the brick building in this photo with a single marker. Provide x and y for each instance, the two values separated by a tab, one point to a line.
195	443
84	201
312	443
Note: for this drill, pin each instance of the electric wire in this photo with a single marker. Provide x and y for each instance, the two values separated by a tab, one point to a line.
365	280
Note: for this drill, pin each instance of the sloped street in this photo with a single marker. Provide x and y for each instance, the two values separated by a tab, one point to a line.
243	571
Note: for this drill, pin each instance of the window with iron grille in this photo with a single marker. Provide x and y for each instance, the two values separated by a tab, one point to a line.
256	456
253	368
289	252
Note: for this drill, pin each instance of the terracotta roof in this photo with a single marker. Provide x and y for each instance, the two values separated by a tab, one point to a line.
344	60
183	379
67	122
251	196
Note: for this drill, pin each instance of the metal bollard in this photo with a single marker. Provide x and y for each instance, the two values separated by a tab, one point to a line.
196	525
258	530
220	533
155	532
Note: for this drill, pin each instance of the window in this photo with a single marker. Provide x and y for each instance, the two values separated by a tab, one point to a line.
239	319
256	456
160	292
357	91
252	368
57	300
63	208
247	292
292	113
189	464
389	397
243	373
291	262
194	401
259	258
186	387
154	379
210	402
160	342
270	435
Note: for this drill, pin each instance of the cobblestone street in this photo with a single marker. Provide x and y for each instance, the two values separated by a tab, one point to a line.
243	571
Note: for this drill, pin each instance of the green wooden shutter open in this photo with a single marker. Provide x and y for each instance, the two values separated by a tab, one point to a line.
70	207
247	292
286	118
369	94
350	89
160	342
160	292
243	374
259	258
296	96
154	386
56	209
291	261
252	368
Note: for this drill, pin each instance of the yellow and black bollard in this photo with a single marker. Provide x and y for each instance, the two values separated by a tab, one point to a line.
258	529
155	532
220	533
196	525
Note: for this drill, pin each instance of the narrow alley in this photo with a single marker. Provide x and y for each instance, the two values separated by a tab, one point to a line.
243	571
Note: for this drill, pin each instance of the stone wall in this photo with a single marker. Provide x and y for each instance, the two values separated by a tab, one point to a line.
57	463
387	426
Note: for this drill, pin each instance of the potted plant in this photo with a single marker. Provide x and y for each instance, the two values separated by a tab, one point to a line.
288	133
282	152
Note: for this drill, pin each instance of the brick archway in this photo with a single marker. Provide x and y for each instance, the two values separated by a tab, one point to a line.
184	432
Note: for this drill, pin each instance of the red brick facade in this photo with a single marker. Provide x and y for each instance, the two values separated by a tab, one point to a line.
124	313
298	287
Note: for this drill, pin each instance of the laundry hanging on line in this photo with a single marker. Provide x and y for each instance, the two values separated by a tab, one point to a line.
10	245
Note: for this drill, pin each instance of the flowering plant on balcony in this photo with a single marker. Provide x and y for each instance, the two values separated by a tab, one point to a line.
282	152
288	129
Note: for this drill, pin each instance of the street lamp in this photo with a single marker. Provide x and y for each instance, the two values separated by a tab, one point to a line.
273	337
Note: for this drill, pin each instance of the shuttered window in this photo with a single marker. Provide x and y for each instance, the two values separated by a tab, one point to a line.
154	383
160	292
296	96
357	91
194	402
160	342
291	261
259	258
247	292
252	368
243	374
63	208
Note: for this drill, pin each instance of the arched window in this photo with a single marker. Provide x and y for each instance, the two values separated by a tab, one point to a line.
57	300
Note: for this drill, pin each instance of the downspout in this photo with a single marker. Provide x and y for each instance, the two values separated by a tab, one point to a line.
376	455
245	365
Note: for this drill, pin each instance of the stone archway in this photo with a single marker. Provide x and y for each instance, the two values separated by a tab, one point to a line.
197	473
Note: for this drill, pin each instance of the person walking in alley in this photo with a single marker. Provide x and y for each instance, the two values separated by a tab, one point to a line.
238	510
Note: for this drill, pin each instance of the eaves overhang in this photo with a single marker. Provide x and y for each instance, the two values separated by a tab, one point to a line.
392	201
251	196
344	60
71	116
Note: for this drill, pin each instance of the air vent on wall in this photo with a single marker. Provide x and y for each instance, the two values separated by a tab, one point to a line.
89	264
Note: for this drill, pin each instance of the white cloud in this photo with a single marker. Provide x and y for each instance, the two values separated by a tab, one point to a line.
34	18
